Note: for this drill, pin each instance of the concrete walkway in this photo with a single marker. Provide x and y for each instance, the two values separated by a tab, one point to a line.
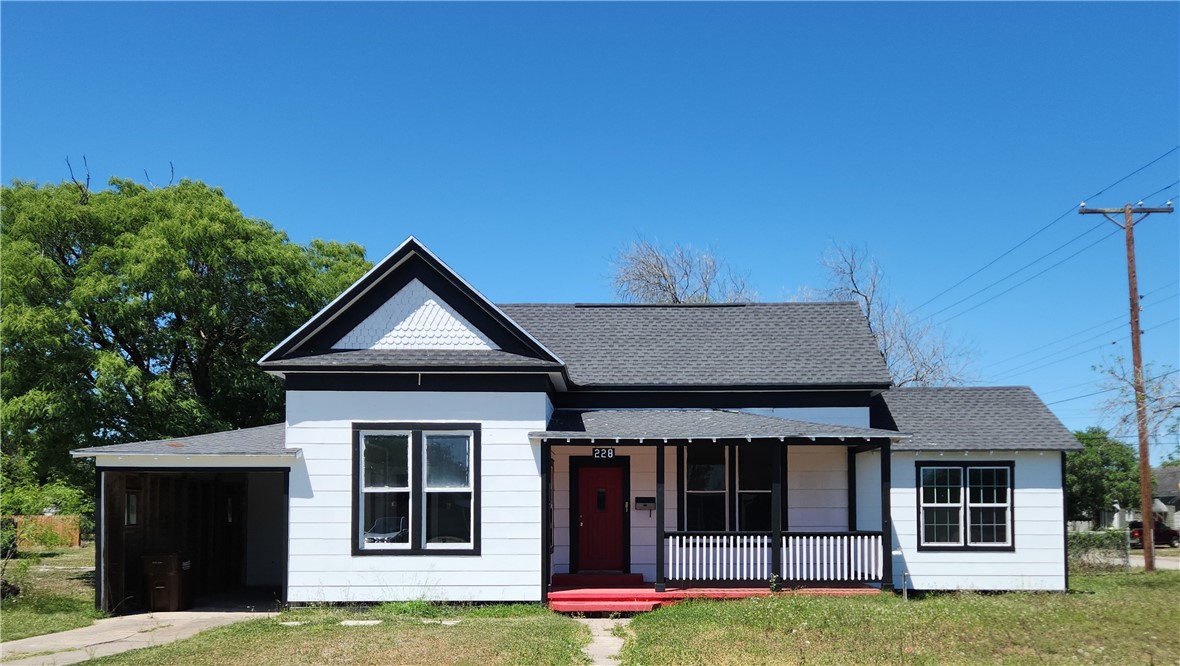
115	635
604	646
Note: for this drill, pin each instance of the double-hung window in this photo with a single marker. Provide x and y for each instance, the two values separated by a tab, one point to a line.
416	488
965	505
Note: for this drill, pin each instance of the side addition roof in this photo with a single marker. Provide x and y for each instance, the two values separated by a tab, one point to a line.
267	440
688	424
780	345
972	419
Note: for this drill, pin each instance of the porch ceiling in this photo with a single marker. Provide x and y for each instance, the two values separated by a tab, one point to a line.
615	425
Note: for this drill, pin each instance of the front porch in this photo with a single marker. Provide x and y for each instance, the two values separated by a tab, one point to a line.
710	504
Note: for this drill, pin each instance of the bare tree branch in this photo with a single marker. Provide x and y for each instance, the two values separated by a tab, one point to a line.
646	273
1160	387
916	353
84	190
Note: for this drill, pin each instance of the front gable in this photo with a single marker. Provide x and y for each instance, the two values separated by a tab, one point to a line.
415	318
411	300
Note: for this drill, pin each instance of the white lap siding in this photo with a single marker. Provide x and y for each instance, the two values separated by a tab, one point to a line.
817	488
321	567
1038	530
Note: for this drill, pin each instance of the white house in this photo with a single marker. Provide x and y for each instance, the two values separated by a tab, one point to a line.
438	446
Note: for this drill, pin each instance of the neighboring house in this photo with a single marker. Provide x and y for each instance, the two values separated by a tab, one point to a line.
438	446
1166	501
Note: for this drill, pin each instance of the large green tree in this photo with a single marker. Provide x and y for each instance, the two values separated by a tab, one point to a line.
1105	471
136	313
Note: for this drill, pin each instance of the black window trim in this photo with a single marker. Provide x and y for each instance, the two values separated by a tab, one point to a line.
965	465
416	430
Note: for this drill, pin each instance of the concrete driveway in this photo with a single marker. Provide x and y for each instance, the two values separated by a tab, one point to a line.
116	634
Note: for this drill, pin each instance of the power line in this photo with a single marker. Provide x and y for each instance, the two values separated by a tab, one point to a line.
1013	373
977	292
1038	232
1159	190
1031	277
1087	395
1119	318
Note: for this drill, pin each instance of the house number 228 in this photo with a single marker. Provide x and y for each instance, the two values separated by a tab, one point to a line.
603	453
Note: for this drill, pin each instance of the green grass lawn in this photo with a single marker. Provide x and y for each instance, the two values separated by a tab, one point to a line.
410	633
58	594
1114	619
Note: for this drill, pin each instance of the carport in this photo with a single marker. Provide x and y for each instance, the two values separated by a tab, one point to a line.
192	522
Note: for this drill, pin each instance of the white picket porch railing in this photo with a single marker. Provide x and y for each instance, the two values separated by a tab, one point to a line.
719	557
832	557
747	556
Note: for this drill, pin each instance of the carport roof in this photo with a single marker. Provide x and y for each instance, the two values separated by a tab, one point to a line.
697	424
267	440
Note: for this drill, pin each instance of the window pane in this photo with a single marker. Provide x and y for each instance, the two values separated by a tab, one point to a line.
755	466
447	461
989	525
386	517
387	461
448	517
940	525
754	512
704	512
706	468
942	485
988	485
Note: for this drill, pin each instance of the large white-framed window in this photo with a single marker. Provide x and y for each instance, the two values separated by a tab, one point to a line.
416	488
386	504
965	505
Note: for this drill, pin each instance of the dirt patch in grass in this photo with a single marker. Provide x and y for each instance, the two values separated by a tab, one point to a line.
57	594
482	635
1115	619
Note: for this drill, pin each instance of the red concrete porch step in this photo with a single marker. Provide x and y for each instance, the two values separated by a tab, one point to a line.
642	598
604	606
597	580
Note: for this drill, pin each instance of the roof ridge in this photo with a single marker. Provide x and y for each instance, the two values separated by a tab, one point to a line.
581	304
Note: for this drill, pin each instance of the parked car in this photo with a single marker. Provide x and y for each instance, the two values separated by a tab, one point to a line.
1164	535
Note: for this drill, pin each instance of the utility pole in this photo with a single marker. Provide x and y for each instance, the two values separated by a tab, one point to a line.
1146	516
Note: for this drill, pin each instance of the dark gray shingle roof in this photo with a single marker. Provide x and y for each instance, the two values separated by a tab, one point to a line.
411	358
264	440
688	424
754	344
975	418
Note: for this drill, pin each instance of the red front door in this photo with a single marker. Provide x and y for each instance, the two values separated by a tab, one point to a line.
601	522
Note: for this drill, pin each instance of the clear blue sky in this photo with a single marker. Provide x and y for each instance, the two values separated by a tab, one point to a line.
526	143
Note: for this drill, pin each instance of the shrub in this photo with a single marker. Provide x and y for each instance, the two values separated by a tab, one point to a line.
1098	551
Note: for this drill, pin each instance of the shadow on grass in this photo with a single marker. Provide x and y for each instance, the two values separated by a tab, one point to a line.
85	577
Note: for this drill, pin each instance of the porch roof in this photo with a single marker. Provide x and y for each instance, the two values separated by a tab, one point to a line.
713	424
267	440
